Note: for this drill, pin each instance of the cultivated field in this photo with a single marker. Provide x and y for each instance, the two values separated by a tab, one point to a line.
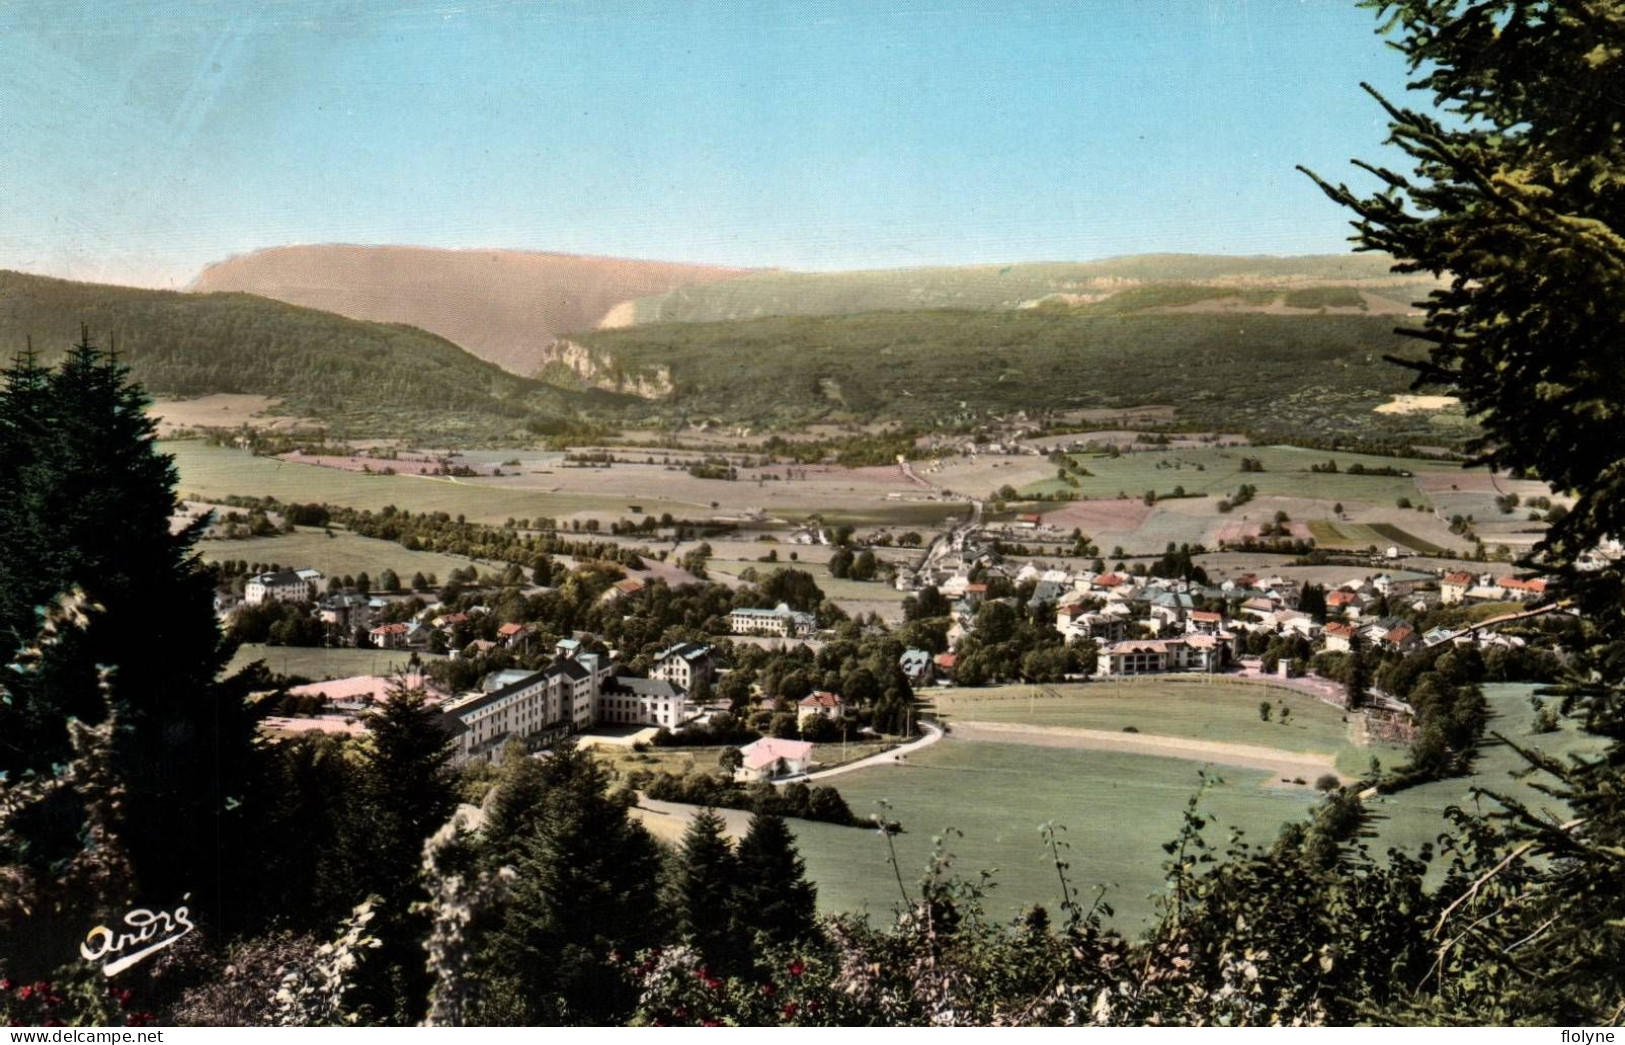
212	472
543	487
1116	515
337	555
222	410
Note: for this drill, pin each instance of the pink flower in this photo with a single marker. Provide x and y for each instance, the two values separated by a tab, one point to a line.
797	968
790	1010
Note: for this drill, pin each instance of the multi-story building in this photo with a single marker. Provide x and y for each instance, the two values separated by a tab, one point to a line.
781	621
1453	588
684	664
286	586
626	700
536	707
1193	652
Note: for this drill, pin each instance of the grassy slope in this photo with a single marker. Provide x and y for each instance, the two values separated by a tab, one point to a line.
1118	809
360	378
1282	376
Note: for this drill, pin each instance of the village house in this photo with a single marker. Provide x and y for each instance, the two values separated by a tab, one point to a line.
1343	603
684	664
389	636
344	612
821	704
916	664
1453	588
771	758
1204	622
1399	638
621	589
1339	636
225	601
1522	589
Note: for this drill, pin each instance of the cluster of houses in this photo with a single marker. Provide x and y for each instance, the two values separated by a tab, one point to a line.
1149	625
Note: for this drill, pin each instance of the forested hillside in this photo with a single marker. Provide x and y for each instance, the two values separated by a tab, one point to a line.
1280	377
360	378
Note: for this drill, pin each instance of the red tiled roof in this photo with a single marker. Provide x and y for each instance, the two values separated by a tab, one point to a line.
508	631
1458	578
823	699
946	660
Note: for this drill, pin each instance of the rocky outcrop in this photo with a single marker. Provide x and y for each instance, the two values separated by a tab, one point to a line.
570	365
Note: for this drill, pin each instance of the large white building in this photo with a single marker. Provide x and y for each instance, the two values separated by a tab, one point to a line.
286	586
781	621
1193	652
576	691
536	707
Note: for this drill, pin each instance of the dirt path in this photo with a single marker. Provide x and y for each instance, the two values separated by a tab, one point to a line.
668	820
1288	764
885	758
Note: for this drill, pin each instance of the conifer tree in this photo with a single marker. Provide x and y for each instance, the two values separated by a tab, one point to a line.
85	502
587	888
1516	199
771	894
405	795
701	883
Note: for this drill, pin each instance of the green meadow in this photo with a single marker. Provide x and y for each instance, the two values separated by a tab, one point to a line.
1118	809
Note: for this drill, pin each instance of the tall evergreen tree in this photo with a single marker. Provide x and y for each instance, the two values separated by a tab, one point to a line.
1516	198
701	884
771	894
405	795
85	502
587	888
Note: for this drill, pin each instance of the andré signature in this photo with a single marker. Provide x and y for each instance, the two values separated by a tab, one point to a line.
155	929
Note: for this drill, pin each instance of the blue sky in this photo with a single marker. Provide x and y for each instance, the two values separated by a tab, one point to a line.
146	139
